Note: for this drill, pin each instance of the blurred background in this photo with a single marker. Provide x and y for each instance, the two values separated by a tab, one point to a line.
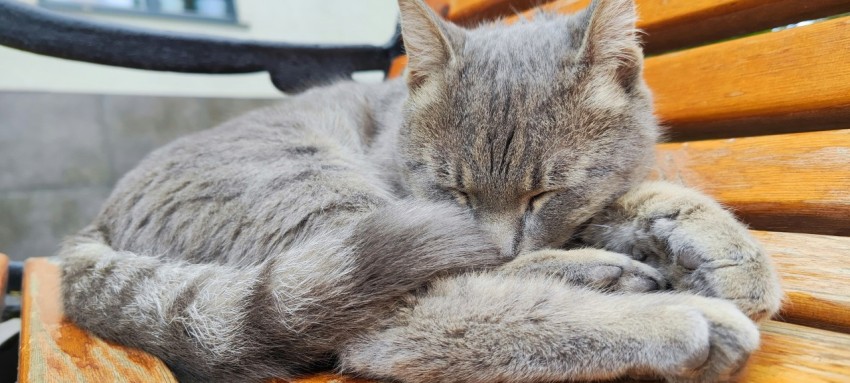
69	130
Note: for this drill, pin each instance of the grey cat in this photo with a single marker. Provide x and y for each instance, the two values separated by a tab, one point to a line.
485	220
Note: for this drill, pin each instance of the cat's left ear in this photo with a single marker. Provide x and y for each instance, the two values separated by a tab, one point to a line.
429	42
611	39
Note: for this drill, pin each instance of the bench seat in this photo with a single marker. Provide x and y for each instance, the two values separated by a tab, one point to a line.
4	278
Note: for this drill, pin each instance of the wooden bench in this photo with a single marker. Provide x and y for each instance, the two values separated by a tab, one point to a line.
761	122
4	278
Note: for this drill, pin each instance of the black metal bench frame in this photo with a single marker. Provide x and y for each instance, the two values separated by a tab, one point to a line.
292	67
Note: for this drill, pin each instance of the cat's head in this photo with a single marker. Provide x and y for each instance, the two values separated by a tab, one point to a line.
534	127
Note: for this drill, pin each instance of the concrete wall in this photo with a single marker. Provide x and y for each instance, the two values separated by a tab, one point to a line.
69	130
297	21
60	155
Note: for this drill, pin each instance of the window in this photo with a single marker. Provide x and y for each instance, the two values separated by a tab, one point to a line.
202	10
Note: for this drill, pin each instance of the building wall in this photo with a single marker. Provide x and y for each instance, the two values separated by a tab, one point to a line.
296	21
60	155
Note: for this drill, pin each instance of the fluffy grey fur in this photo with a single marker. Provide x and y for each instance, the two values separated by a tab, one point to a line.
438	230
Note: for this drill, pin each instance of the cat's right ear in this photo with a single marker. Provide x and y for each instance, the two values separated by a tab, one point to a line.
611	39
429	42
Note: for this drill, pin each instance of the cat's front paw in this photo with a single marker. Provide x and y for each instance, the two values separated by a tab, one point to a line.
594	268
732	337
713	255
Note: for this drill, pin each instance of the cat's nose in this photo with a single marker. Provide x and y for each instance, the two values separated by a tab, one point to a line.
505	235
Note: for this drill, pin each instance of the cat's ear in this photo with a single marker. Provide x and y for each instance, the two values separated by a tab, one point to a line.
429	42
611	39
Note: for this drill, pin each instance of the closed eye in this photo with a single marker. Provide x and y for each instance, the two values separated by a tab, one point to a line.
460	196
538	200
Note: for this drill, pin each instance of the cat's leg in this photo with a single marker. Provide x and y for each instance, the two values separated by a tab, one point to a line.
511	328
698	245
589	267
287	315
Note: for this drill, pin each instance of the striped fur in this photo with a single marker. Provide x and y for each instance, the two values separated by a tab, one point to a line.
431	230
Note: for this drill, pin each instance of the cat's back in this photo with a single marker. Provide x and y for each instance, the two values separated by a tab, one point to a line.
345	113
216	195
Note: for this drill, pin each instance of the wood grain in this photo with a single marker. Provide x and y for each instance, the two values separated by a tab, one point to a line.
774	82
397	67
815	272
671	24
676	24
440	6
4	279
790	182
469	12
55	350
796	354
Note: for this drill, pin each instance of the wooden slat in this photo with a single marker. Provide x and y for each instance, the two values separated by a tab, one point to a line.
789	182
774	82
440	6
55	350
469	12
795	354
670	24
397	67
815	271
4	279
674	24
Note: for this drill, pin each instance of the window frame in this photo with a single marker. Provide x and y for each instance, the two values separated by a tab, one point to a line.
152	10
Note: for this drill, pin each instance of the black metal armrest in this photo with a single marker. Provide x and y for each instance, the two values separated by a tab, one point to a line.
292	67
